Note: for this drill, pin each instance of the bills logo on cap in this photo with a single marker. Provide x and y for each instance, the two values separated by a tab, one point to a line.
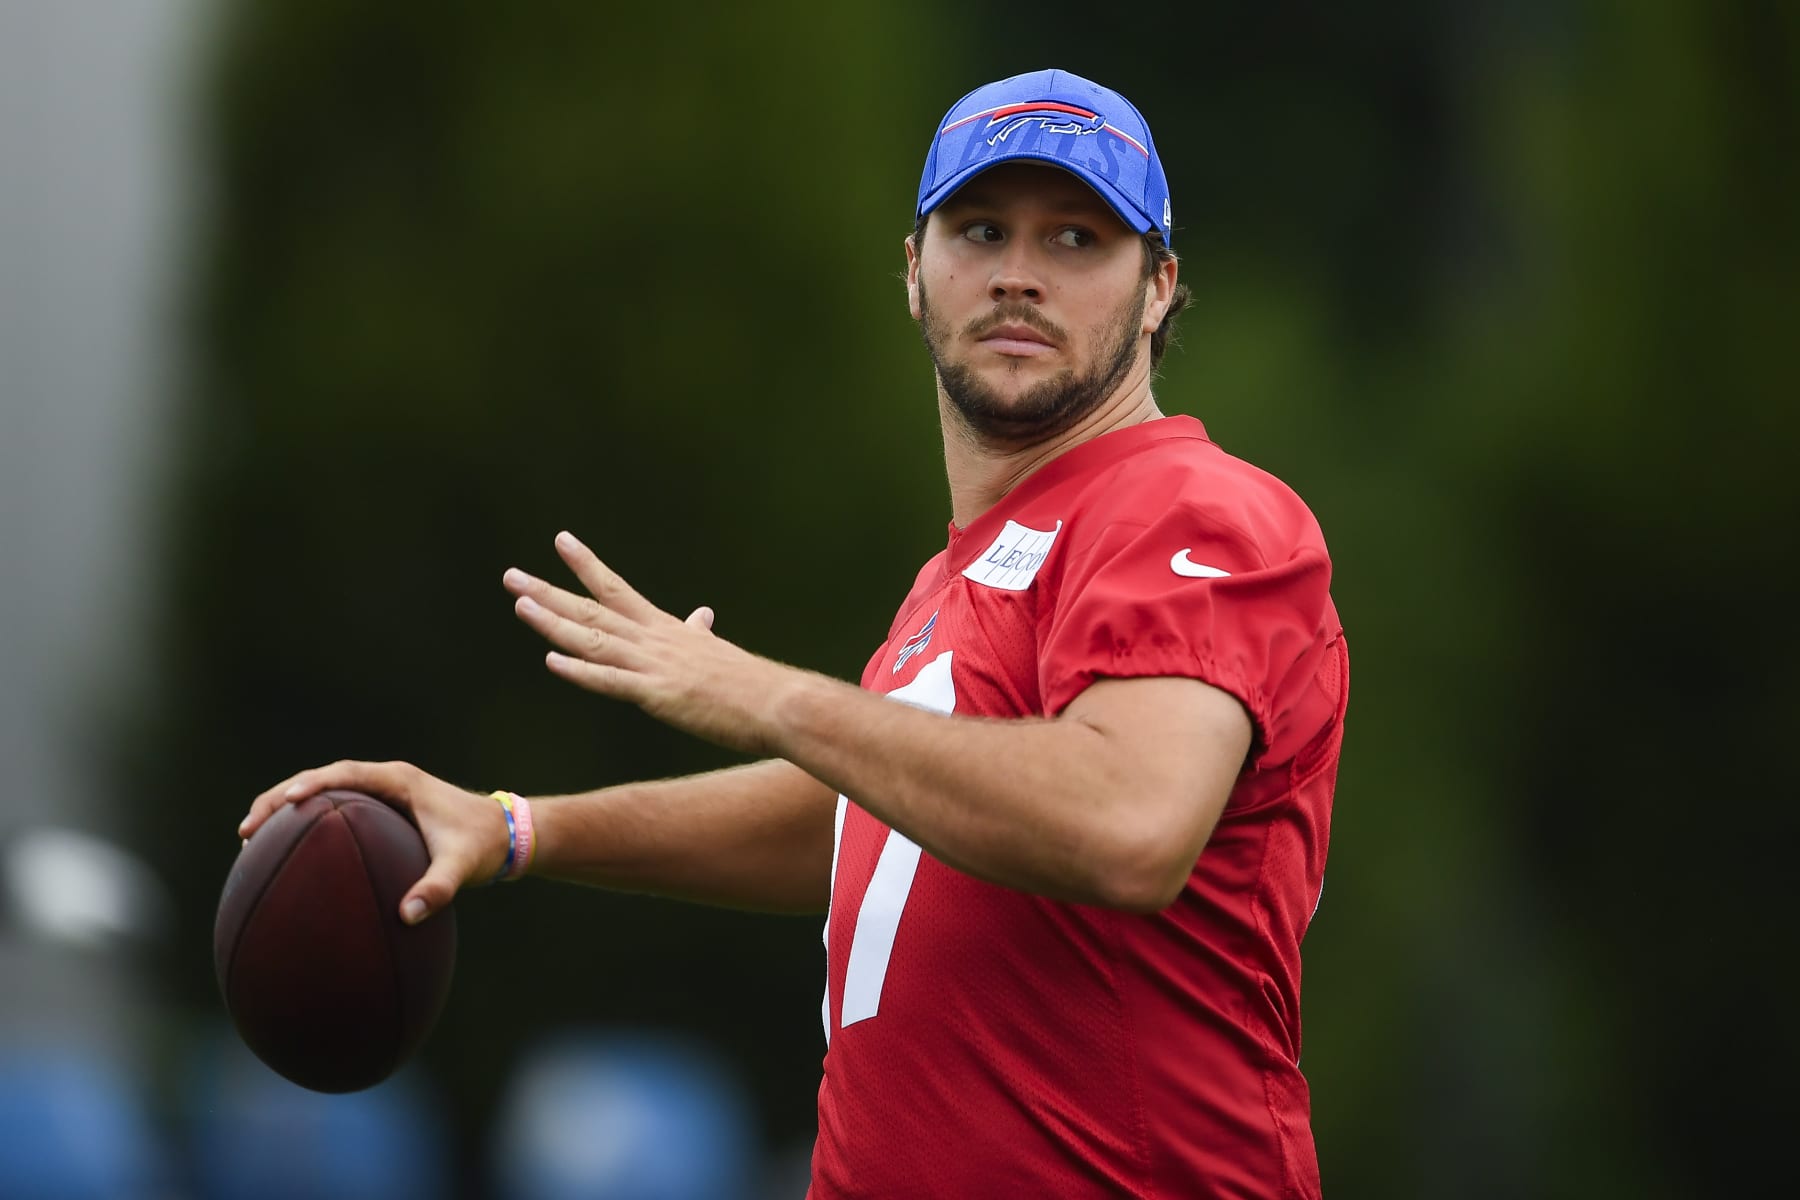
1052	117
1049	116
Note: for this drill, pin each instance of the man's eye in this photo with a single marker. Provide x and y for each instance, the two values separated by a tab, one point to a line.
982	231
1074	237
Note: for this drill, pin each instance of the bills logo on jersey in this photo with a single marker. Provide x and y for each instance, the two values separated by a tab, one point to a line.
1012	562
915	643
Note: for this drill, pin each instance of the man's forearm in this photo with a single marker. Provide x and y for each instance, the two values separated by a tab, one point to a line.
757	836
1047	806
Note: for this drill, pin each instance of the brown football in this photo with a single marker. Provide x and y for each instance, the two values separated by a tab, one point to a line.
322	979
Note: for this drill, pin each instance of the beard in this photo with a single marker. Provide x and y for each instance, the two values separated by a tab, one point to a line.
1047	407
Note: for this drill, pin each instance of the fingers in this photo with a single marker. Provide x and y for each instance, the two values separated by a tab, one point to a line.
603	629
610	643
264	806
596	645
601	581
391	781
610	594
560	601
597	677
434	891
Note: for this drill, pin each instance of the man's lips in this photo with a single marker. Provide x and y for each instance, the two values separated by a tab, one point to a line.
1016	339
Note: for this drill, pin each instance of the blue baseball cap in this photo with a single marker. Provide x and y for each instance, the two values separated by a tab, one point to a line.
1059	118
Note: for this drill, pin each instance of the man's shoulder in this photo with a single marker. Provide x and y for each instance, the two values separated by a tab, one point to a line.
1192	478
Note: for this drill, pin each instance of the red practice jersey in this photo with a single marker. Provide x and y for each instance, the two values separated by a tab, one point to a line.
982	1042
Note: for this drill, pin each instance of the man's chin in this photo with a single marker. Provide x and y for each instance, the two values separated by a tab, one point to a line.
1010	379
1016	406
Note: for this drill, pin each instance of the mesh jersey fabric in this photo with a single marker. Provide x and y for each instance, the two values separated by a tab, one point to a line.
982	1042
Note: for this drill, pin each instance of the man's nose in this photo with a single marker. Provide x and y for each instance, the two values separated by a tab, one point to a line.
1015	276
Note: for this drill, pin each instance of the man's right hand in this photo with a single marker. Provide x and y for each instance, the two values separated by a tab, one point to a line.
465	832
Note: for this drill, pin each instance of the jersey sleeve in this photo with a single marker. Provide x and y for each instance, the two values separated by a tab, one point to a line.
1187	594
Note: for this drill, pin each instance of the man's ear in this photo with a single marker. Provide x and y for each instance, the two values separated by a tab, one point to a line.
1159	290
912	279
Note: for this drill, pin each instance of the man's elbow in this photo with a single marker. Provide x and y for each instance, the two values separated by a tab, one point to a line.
1146	873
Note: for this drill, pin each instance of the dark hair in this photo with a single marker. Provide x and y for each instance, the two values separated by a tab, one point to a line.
1156	253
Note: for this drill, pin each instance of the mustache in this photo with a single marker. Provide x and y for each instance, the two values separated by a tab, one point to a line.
1015	313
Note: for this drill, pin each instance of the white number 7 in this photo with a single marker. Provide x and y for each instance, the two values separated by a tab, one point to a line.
878	920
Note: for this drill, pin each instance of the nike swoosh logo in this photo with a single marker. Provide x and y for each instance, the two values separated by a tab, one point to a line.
1182	565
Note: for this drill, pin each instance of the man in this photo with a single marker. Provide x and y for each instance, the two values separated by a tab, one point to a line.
1068	877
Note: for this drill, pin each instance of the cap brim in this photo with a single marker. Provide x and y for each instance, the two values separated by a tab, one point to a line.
1115	199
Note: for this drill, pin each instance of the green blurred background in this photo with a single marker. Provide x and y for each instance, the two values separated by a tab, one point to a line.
1498	288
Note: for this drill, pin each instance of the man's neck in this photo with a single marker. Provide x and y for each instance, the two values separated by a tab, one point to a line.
982	472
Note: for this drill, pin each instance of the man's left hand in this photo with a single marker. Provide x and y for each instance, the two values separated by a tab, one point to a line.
615	642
